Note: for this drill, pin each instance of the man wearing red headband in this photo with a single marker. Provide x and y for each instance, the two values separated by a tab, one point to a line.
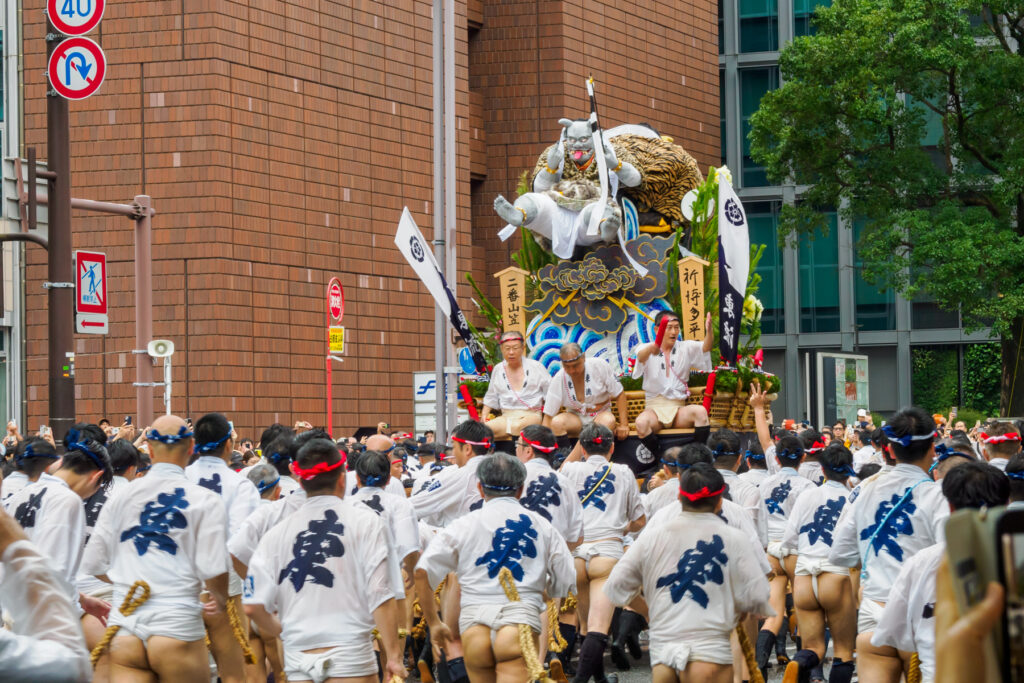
666	370
325	571
517	388
698	577
585	387
1000	441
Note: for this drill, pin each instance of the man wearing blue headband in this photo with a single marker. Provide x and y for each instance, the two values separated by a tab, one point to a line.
214	445
891	519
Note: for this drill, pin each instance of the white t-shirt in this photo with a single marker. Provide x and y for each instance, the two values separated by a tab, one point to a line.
697	575
609	495
553	496
908	621
779	493
501	534
449	494
53	517
917	524
813	519
501	396
671	382
243	542
324	570
599	388
164	530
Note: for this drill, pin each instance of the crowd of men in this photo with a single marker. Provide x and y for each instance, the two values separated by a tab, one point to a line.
176	555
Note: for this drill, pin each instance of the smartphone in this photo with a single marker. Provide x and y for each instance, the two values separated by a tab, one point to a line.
115	431
43	430
232	425
952	411
127	419
188	421
1010	546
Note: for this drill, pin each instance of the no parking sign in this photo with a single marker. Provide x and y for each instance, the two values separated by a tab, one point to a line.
77	68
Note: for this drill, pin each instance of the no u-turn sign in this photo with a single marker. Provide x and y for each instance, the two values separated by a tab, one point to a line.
76	68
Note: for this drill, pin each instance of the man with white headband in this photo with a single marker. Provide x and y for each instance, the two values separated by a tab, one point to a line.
585	388
169	534
891	519
999	442
517	388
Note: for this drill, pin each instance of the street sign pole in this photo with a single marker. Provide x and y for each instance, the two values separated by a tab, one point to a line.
60	297
335	311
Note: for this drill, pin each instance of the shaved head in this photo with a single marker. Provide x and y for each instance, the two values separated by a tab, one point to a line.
570	350
176	452
379	442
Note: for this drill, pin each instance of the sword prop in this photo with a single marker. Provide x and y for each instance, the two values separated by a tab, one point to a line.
602	166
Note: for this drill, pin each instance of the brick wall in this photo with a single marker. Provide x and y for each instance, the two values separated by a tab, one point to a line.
280	141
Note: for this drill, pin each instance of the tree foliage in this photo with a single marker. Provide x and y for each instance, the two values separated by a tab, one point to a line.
878	79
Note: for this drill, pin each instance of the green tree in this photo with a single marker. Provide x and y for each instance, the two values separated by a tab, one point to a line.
909	113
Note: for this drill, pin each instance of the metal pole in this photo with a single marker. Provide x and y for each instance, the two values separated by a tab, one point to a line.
450	208
59	271
167	385
441	426
143	310
330	413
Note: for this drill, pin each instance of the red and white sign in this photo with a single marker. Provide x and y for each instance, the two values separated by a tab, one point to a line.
91	293
335	299
75	17
77	68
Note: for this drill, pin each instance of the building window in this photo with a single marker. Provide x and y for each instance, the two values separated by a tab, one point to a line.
721	27
754	83
876	310
759	25
763	219
803	15
819	280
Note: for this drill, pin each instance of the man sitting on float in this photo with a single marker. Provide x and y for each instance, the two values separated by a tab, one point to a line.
517	389
585	387
666	383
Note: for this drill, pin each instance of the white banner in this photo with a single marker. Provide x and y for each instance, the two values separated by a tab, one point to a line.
417	252
733	266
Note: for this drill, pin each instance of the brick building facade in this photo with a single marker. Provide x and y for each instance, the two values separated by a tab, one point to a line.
280	141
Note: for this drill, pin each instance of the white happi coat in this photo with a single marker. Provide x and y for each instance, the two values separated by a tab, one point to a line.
16	481
908	620
780	492
754	477
449	494
324	570
242	543
502	534
501	396
609	505
53	517
917	524
93	505
731	513
399	522
747	496
672	383
697	575
164	530
812	472
553	496
599	388
812	522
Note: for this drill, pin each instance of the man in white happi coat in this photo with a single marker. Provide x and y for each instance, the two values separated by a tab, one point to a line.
31	460
699	577
1000	441
214	445
52	512
611	508
585	388
517	388
908	620
387	446
324	570
478	548
171	534
725	448
891	519
666	372
822	592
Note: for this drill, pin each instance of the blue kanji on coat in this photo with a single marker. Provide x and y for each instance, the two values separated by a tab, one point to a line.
157	519
93	505
511	543
779	495
593	492
698	566
542	492
477	505
25	515
824	521
213	483
898	523
311	550
373	503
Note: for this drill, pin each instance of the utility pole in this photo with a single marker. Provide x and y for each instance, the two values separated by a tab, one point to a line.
60	276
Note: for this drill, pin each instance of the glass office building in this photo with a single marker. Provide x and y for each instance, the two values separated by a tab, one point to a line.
815	297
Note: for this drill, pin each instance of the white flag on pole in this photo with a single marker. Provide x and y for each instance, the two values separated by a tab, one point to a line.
733	267
417	252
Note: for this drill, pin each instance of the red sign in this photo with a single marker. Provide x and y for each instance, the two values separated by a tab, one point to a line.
335	299
75	17
77	68
91	288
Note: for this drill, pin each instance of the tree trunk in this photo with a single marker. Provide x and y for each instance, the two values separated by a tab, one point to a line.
1011	395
